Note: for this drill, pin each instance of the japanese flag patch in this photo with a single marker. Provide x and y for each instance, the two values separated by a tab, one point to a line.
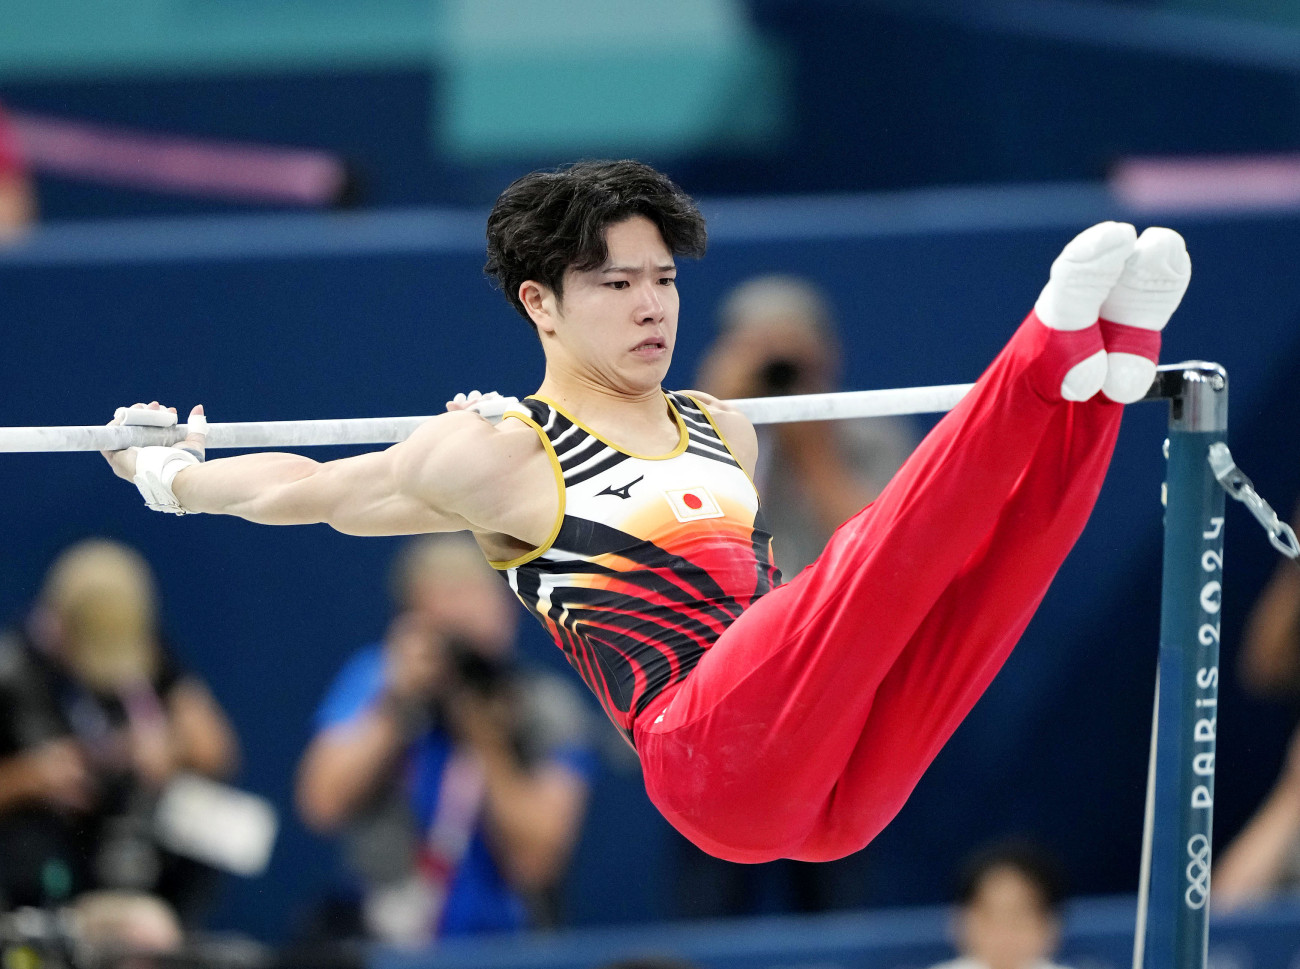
692	504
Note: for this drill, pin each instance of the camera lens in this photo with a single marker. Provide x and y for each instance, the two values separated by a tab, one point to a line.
780	376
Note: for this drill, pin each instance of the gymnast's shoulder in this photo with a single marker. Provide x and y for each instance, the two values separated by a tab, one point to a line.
735	427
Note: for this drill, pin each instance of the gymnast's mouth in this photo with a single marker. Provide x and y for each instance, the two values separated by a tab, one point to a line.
651	344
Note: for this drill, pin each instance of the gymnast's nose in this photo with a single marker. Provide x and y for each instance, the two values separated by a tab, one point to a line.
649	306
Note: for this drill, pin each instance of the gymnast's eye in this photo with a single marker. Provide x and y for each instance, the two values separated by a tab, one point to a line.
618	284
668	281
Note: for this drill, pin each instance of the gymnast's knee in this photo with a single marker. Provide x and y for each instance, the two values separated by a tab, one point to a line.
742	847
757	843
848	822
747	830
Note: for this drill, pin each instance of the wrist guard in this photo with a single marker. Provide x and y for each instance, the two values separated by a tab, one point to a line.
155	470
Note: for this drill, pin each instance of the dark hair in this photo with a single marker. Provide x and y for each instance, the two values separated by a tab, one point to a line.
1027	859
548	222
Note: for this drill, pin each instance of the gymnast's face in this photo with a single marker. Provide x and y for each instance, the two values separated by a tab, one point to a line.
616	324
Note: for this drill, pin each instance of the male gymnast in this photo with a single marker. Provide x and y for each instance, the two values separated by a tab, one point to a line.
771	720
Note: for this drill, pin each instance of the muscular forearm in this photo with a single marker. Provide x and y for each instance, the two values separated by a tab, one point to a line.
257	487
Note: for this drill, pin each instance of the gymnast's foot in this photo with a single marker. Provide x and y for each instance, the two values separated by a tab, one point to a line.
1137	309
1083	275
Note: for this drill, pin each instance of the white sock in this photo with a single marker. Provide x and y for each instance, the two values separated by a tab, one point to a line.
1145	297
1082	276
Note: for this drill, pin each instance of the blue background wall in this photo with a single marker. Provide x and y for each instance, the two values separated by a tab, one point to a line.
324	316
775	95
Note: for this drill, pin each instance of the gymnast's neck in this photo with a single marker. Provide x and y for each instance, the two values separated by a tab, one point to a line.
634	418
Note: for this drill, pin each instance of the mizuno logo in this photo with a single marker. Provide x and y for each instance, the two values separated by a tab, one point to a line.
623	492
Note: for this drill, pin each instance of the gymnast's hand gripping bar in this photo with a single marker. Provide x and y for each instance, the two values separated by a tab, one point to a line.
390	430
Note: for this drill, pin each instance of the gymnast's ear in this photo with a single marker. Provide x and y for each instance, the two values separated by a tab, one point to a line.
541	304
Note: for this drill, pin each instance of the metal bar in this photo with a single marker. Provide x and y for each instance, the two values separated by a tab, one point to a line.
1148	835
389	430
1173	928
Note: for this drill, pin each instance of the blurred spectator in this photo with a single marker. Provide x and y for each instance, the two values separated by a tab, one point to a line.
109	924
17	195
458	780
1270	654
1008	909
1265	857
96	718
777	336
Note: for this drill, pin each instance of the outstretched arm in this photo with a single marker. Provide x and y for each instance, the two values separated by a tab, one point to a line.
419	485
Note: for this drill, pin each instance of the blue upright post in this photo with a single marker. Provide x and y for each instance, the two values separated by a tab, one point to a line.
1173	910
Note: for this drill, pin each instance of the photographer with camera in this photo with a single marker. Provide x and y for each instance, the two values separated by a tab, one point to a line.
98	722
777	336
457	781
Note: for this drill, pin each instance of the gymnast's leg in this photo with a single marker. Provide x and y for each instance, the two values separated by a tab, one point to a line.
969	632
972	629
748	753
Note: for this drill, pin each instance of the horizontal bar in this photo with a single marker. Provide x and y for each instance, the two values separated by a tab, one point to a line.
389	430
852	404
252	434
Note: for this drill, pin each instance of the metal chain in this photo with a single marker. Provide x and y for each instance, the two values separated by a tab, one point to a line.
1236	484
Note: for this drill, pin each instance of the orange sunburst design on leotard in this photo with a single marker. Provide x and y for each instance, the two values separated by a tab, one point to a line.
651	561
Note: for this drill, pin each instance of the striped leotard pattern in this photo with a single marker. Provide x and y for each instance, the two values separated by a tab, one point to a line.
651	558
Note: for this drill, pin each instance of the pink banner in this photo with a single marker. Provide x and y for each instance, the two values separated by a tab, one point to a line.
162	163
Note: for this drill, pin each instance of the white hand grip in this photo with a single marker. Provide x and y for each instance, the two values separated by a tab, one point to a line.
494	407
149	417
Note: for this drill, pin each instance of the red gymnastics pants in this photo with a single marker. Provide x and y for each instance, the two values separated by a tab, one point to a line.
808	723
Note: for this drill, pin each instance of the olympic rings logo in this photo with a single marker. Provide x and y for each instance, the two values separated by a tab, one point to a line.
1198	872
